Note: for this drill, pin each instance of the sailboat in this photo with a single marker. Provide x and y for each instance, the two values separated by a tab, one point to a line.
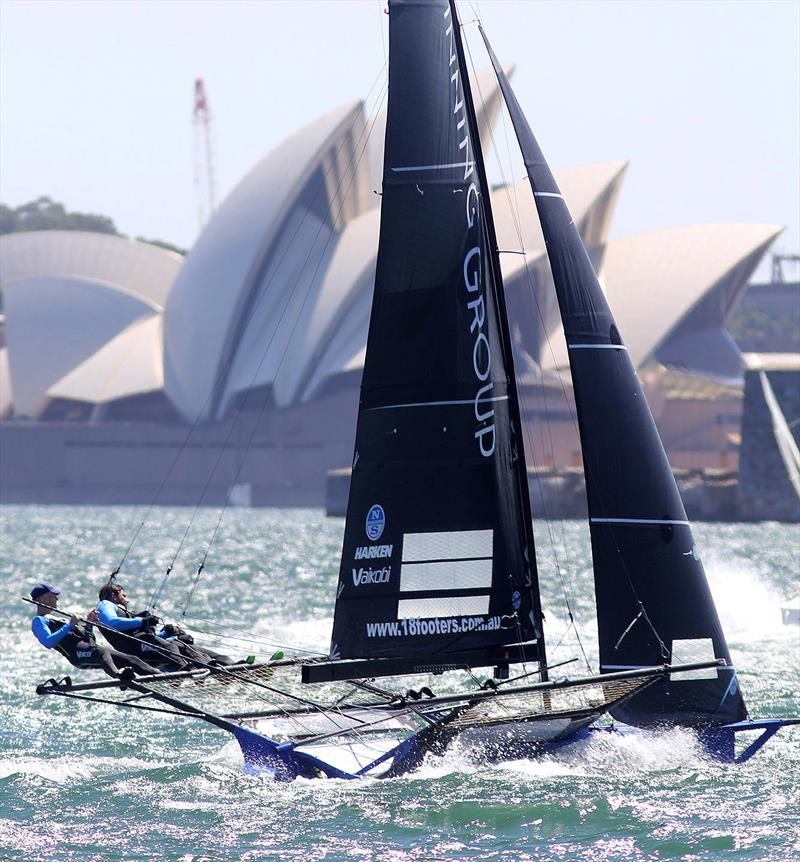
438	576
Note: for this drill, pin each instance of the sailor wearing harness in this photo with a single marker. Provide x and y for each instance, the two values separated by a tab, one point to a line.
75	641
124	631
114	614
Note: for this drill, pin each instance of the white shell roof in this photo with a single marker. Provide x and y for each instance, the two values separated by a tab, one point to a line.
276	289
66	294
340	319
655	279
590	192
340	345
139	268
130	364
217	301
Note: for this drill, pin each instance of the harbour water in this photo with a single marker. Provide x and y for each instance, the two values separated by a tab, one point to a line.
84	782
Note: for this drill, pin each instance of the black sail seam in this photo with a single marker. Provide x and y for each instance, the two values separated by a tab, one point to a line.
445	593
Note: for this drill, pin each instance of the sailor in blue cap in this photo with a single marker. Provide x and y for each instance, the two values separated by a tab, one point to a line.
76	641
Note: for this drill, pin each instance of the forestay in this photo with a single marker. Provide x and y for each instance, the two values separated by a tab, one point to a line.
438	553
653	600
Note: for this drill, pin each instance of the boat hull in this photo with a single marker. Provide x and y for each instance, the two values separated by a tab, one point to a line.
392	757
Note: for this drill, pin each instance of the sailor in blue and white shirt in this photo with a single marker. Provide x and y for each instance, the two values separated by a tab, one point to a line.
135	634
75	640
123	629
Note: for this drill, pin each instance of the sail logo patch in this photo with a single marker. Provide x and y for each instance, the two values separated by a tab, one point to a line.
373	552
364	576
376	521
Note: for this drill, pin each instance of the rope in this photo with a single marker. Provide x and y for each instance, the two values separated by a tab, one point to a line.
514	209
263	292
623	563
225	368
311	283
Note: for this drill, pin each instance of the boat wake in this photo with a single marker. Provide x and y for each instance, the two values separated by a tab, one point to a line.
64	768
641	751
746	604
613	752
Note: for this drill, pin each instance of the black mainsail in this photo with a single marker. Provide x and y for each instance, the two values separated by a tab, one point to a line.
653	600
438	565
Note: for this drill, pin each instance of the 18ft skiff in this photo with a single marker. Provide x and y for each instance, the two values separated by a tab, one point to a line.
438	575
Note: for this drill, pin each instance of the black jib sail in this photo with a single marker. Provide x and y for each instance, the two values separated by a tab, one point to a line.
438	563
653	600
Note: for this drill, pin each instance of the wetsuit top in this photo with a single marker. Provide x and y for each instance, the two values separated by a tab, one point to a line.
75	643
47	638
109	616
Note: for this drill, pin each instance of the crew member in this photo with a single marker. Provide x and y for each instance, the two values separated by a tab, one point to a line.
75	641
135	634
178	637
200	655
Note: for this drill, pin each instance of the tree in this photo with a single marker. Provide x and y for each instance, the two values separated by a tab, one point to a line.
162	244
46	214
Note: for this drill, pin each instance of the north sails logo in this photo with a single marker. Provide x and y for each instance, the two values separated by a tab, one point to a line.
481	352
371	576
376	521
373	552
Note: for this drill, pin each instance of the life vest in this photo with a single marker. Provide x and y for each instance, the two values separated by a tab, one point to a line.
78	646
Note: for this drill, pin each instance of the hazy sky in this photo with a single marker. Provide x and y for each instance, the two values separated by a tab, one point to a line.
703	98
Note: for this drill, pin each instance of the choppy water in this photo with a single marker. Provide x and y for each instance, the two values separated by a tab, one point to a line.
85	783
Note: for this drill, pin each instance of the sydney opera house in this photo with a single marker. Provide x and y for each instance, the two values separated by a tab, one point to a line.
128	372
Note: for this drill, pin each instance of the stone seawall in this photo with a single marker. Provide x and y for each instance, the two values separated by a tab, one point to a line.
708	495
765	491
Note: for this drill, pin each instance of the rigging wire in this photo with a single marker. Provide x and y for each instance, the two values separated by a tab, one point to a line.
226	635
262	294
230	359
498	305
572	412
312	281
225	369
526	429
380	27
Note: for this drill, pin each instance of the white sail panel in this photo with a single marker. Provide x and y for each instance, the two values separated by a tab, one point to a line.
447	606
446	575
455	545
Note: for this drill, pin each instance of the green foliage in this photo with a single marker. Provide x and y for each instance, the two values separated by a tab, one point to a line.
46	214
162	244
760	330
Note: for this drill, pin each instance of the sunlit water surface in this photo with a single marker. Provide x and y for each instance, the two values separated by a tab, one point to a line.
84	782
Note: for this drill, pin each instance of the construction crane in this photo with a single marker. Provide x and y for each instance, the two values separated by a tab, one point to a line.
777	266
203	154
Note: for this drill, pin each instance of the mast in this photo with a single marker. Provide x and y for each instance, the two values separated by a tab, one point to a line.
438	564
653	600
